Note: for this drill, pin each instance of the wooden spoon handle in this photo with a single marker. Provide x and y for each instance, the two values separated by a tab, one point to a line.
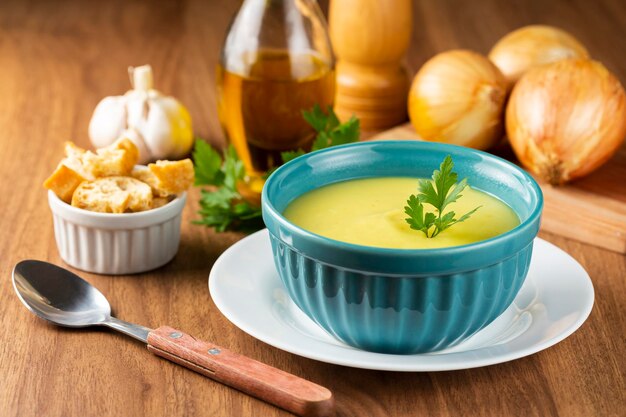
277	387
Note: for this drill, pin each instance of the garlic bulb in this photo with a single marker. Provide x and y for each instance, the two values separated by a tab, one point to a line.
159	125
531	46
458	97
566	119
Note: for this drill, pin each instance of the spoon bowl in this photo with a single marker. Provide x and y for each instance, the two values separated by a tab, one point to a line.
58	295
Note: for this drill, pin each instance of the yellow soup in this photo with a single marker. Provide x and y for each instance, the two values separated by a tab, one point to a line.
370	212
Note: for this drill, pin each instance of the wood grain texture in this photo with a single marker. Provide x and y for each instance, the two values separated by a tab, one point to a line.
591	210
57	59
277	387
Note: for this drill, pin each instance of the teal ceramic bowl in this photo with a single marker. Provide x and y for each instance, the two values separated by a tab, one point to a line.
401	300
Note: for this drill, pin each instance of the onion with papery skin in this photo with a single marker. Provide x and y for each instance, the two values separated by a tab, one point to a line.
531	46
566	119
458	97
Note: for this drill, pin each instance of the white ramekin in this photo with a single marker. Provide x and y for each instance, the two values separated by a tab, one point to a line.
117	244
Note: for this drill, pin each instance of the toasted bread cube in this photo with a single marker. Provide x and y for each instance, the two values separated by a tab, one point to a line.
160	201
173	176
143	174
79	166
63	182
130	157
113	195
74	156
111	164
166	177
141	198
88	196
73	151
118	159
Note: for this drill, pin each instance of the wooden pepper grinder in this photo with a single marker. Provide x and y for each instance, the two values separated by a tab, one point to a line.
370	38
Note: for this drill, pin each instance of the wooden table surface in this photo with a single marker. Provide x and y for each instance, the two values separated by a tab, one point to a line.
57	59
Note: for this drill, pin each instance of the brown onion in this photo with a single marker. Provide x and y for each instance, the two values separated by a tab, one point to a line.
458	97
566	119
531	46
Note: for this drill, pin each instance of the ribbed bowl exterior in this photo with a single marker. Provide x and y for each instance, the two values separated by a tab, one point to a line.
401	300
124	244
399	314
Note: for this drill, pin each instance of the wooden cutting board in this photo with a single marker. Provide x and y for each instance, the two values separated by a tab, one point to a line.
591	210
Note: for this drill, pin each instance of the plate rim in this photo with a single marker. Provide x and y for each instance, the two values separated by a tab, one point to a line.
379	365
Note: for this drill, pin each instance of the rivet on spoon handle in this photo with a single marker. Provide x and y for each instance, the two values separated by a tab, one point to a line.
277	387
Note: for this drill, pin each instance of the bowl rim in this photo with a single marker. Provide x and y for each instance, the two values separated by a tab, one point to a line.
364	249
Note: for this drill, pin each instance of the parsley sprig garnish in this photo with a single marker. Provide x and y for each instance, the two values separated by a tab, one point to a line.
441	191
221	205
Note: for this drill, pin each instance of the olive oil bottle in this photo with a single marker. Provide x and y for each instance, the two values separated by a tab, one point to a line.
276	62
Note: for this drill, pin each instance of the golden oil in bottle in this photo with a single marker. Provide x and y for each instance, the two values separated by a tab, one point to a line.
261	110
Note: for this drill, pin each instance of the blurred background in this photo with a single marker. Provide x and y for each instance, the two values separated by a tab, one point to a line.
50	47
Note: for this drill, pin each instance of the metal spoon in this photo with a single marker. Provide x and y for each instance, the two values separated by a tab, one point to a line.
57	295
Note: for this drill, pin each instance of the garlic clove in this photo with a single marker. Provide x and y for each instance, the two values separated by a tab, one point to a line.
181	128
163	123
144	153
156	130
108	121
150	122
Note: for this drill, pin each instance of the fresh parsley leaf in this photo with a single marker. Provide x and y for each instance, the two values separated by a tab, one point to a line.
289	155
318	119
347	132
467	215
207	164
443	222
455	194
330	131
441	191
233	168
443	179
416	219
428	194
220	198
321	141
222	207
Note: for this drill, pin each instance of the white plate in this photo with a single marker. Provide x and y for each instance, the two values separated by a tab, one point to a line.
555	300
